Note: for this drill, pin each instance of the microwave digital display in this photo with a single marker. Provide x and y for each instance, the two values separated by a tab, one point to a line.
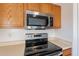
37	20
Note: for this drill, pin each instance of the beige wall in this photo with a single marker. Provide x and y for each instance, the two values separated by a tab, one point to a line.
12	50
66	30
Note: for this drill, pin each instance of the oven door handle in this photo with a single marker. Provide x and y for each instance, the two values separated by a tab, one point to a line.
60	54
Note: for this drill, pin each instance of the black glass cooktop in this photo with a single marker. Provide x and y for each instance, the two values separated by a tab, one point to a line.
42	49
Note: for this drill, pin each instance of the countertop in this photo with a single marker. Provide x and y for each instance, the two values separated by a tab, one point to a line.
12	43
62	43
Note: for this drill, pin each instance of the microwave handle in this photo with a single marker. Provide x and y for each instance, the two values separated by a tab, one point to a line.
50	21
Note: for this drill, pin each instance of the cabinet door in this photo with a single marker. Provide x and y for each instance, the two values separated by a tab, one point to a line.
67	52
56	11
33	7
45	8
25	7
4	15
11	15
16	15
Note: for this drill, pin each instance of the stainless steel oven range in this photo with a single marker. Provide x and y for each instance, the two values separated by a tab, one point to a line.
37	44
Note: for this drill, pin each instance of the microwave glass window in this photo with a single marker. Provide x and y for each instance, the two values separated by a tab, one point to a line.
36	21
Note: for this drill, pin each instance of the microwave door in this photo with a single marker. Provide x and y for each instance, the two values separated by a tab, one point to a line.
37	20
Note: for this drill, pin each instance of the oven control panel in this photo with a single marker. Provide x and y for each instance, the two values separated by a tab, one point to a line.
30	36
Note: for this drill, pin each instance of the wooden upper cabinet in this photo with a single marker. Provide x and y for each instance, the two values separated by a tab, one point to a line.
46	8
16	15
33	7
4	14
11	15
56	12
25	7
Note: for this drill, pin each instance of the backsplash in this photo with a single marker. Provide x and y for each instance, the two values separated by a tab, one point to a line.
11	35
19	34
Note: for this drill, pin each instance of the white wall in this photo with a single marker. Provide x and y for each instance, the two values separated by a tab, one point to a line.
66	31
77	41
75	46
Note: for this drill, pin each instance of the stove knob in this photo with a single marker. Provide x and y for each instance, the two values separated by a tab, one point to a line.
28	36
31	36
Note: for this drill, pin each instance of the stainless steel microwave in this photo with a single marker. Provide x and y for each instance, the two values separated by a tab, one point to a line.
36	20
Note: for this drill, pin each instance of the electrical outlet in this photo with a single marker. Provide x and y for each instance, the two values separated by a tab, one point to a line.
10	35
